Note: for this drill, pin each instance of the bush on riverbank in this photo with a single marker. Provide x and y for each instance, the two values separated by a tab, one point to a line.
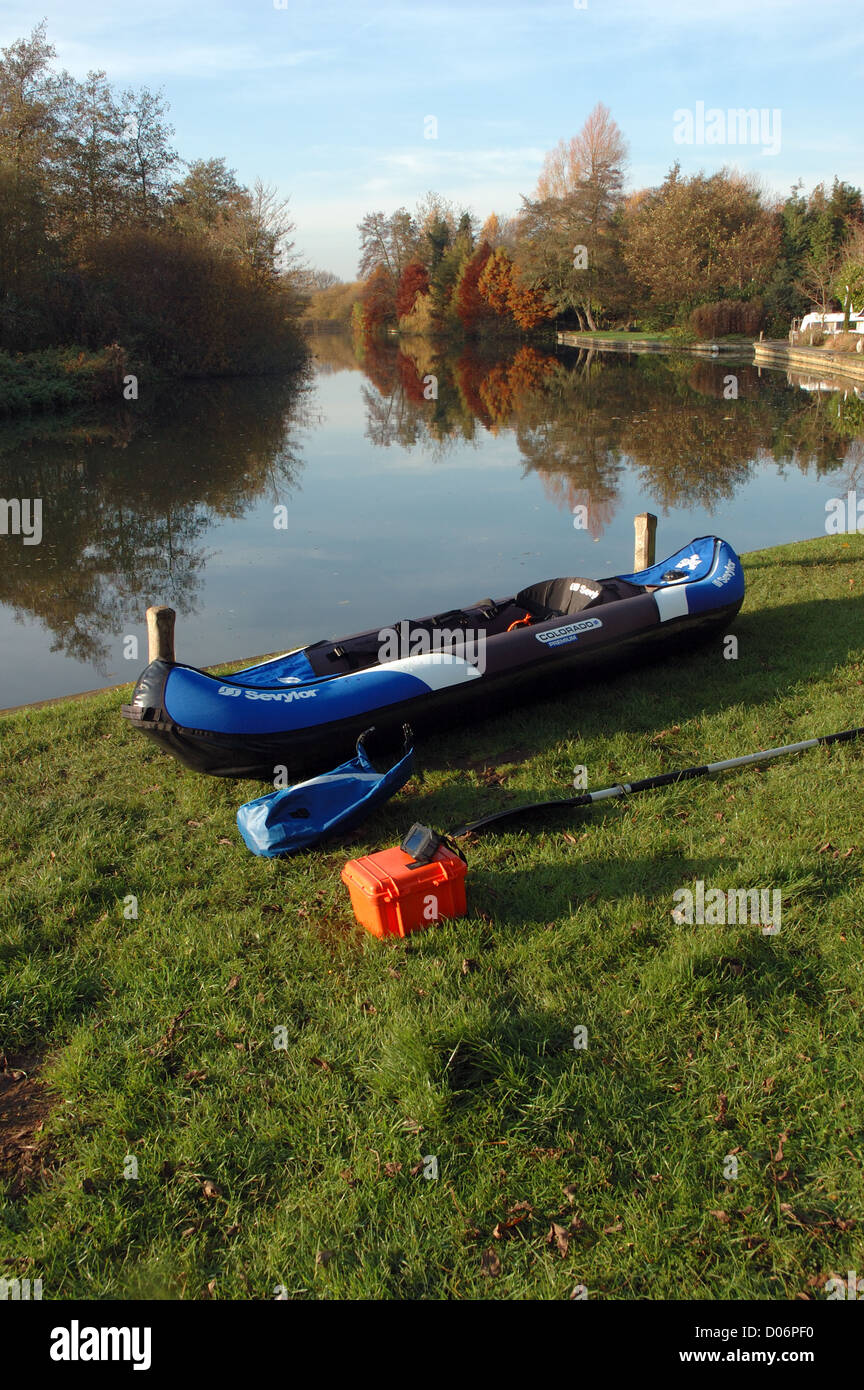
179	305
726	317
103	241
846	342
57	378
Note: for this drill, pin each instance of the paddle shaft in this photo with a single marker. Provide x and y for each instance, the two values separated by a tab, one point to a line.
663	779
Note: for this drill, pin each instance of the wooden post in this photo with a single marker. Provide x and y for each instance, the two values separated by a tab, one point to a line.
646	535
160	633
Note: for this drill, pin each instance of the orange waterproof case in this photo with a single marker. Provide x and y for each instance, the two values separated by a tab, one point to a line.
391	899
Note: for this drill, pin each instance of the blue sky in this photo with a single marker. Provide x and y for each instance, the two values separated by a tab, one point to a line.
327	101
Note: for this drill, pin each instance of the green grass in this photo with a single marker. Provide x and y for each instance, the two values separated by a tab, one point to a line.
672	336
702	1041
635	335
59	378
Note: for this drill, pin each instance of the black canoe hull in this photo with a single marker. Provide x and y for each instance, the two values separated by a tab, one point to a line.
305	752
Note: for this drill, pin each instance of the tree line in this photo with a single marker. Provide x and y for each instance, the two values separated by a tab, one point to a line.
710	253
107	236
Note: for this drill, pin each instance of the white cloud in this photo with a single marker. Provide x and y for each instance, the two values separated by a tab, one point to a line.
432	163
191	60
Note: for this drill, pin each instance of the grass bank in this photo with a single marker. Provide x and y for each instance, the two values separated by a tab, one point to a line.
671	340
59	378
609	1166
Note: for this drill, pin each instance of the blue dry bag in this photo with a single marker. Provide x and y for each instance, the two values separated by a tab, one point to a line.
298	817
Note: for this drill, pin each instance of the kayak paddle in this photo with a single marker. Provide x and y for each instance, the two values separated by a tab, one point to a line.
663	779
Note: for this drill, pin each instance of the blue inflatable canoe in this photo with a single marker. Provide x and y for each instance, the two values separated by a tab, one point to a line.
305	710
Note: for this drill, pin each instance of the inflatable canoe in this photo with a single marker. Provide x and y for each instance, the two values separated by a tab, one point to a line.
305	710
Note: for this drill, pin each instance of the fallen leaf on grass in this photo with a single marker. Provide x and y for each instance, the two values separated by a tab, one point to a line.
319	1062
517	1215
168	1036
781	1141
491	777
723	1104
323	1258
613	1230
559	1237
232	983
735	965
223	840
210	1189
391	1169
722	1216
490	1264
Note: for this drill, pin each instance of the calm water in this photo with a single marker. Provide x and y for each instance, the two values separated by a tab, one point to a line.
395	505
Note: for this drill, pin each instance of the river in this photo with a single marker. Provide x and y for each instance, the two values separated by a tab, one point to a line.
271	513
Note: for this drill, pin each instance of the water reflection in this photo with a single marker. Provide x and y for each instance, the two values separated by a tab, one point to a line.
131	499
695	430
128	497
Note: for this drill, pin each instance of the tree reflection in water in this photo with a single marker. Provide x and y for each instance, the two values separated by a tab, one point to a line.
128	497
581	419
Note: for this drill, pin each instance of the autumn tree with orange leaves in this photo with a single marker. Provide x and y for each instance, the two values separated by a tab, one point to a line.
377	302
571	239
472	308
507	293
496	281
414	280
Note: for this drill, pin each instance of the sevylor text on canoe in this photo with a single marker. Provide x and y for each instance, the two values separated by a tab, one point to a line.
303	710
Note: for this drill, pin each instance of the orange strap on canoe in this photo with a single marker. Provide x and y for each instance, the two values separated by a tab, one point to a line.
520	622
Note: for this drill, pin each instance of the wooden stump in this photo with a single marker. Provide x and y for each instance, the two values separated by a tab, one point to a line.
160	633
645	525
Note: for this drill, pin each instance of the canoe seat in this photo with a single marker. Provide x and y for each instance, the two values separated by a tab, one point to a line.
558	598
